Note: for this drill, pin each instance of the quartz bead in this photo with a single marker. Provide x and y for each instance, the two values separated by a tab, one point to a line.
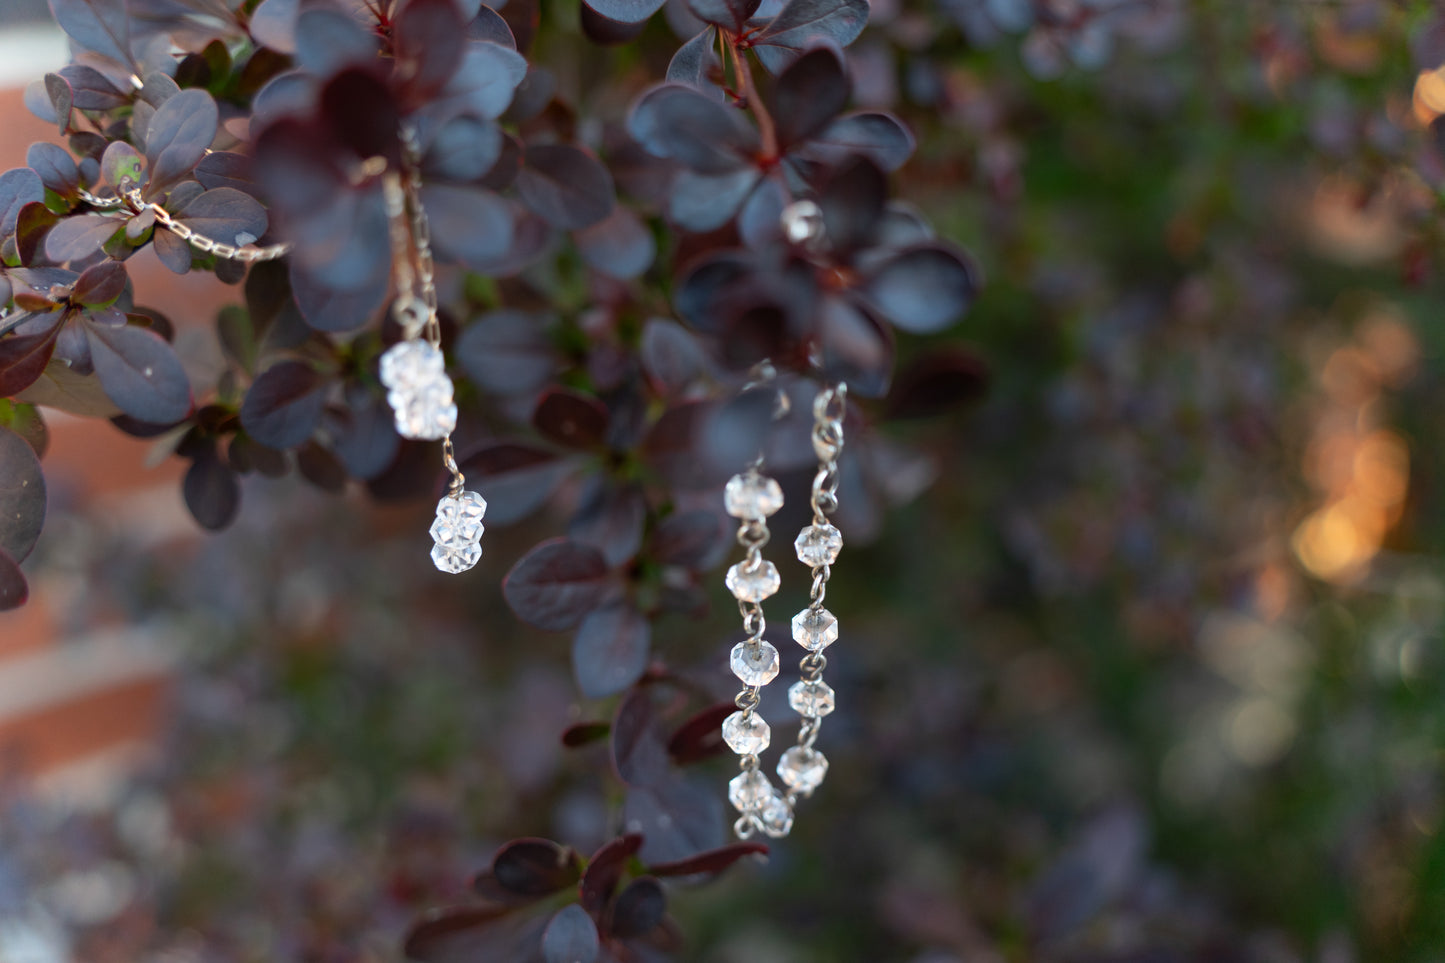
811	700
752	496
457	531
818	545
755	663
419	391
776	816
746	734
753	584
815	629
802	769
748	791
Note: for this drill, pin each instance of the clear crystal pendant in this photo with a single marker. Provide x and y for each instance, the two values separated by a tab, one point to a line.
818	545
457	531
748	791
753	584
746	734
776	816
755	663
419	391
815	629
811	700
752	496
802	769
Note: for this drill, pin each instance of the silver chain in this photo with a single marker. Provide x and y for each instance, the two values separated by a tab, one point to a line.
132	200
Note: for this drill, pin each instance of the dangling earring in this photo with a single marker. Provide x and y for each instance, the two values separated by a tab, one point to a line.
752	498
414	370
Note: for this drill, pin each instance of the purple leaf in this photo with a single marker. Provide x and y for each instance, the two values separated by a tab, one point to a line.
806	23
923	289
22	496
556	584
100	26
62	101
571	419
174	253
361	113
14	592
366	441
536	867
516	478
463	150
696	64
639	908
626	11
483	85
212	491
439	934
700	737
638	752
571	937
852	204
81	236
328	41
222	168
178	136
283	407
55	166
140	373
121	164
879	136
604	871
610	650
685	124
274	25
611	517
327	309
90	90
320	466
507	352
619	246
31	228
694	540
99	284
810	93
857	349
732	15
489	26
584	733
428	39
678	819
606	32
565	185
705	202
226	215
18	187
672	356
468	224
711	862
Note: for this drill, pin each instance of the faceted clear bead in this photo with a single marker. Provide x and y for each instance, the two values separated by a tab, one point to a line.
755	663
802	222
746	734
802	768
776	816
755	584
411	363
815	629
456	560
752	496
818	545
811	700
420	393
749	790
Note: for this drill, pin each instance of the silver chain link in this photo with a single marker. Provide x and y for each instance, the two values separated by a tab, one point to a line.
131	199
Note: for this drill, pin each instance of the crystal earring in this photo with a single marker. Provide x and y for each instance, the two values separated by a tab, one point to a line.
414	371
752	498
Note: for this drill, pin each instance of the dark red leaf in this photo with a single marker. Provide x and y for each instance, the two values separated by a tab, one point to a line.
536	867
678	818
517	478
732	15
327	309
212	491
22	496
556	584
638	752
565	185
923	289
507	352
610	650
856	348
99	284
571	419
700	737
90	90
639	909
852	203
434	934
604	871
936	382
55	166
806	23
274	25
571	936
672	356
696	63
321	467
329	40
611	518
283	407
98	26
619	246
582	733
140	372
693	540
685	124
81	236
607	32
31	228
367	441
18	187
361	113
14	592
428	38
626	11
468	224
23	357
881	137
221	168
227	215
714	861
62	101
